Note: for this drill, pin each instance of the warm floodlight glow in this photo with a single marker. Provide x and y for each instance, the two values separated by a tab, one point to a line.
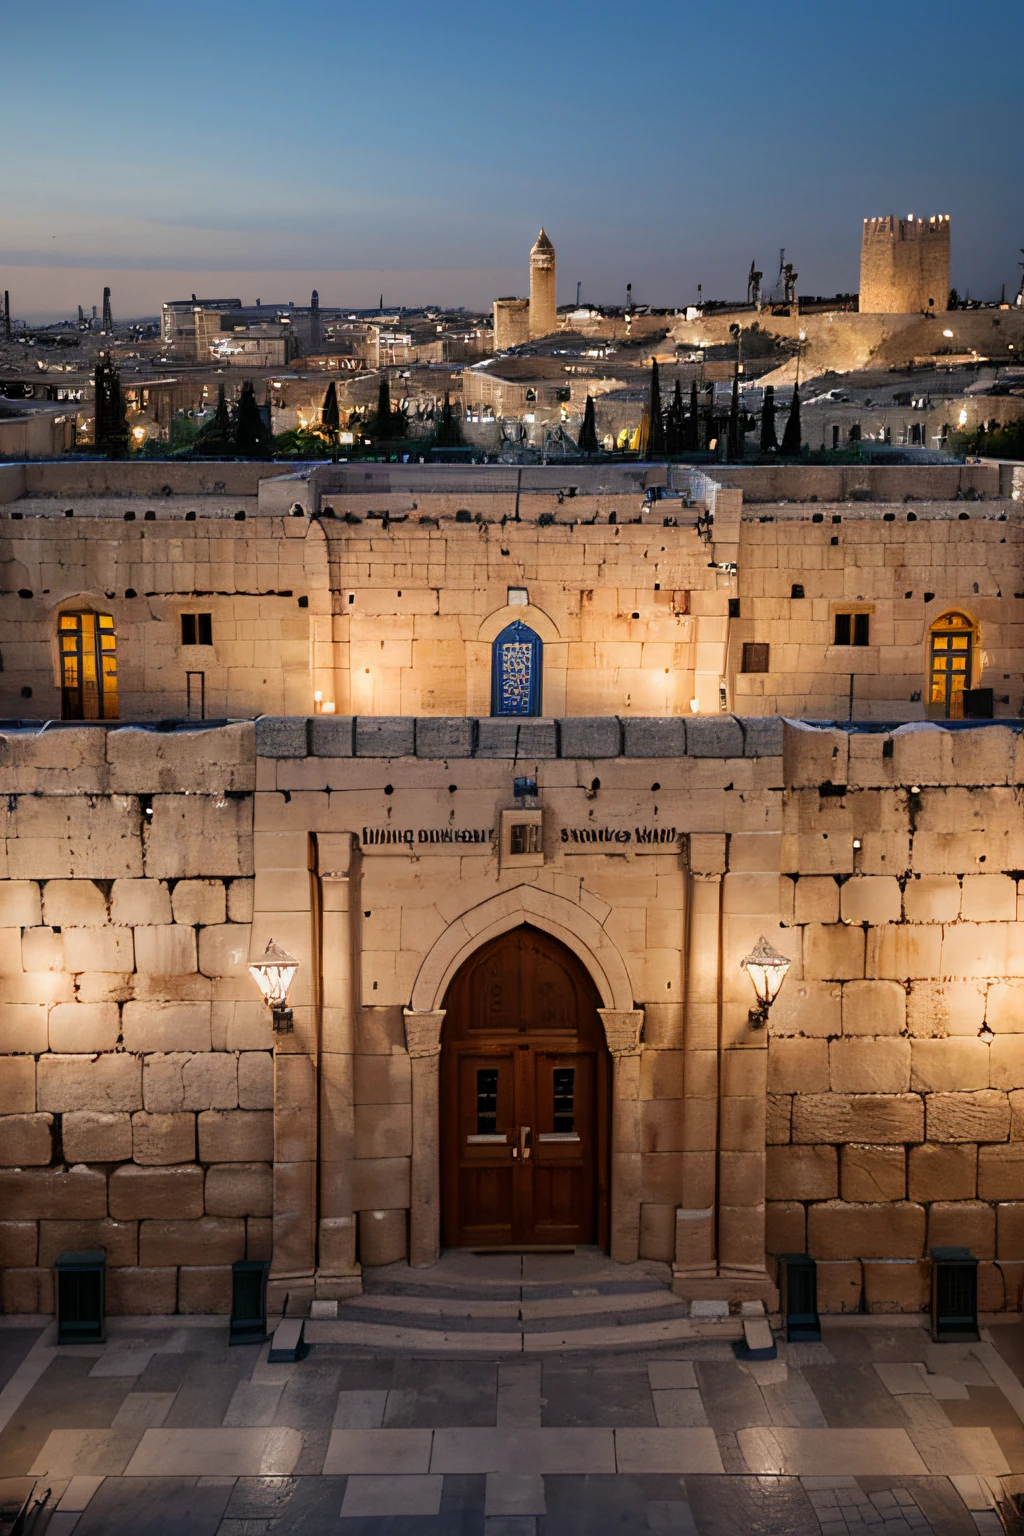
767	971
273	975
948	335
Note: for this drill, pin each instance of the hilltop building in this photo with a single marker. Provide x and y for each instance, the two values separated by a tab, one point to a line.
904	265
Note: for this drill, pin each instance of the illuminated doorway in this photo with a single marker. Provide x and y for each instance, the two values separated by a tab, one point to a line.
951	659
88	666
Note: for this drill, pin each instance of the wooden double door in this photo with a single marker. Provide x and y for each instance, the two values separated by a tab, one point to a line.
524	1099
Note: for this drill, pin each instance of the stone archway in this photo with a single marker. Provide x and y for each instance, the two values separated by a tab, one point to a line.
622	1024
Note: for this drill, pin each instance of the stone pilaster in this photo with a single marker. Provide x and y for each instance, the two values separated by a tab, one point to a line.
338	1273
423	1042
622	1034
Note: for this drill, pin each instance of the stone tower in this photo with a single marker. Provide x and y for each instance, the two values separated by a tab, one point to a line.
904	265
543	310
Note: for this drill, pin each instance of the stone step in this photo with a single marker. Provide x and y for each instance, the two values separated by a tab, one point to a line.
428	1341
451	1308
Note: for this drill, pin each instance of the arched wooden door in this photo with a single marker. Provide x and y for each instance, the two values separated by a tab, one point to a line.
524	1099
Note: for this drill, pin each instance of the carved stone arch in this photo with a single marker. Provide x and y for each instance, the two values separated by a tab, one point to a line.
535	618
478	659
563	919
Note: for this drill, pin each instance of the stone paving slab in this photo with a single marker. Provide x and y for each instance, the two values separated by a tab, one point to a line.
855	1452
216	1452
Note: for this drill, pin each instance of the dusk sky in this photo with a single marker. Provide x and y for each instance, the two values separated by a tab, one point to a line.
258	149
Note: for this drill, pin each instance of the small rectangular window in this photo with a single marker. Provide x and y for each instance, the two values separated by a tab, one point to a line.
755	657
486	1101
197	629
524	837
842	635
564	1097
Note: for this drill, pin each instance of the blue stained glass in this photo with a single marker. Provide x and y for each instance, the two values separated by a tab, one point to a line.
516	672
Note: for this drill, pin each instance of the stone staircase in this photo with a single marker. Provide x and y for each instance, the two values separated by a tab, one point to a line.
509	1303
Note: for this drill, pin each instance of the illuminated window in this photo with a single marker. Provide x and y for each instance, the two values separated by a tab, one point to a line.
516	660
88	666
196	629
952	653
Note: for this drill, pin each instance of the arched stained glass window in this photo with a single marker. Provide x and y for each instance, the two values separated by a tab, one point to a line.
951	663
516	661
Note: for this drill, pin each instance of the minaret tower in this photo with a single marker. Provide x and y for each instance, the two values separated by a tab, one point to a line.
543	309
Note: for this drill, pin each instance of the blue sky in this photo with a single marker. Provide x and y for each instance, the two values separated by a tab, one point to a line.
419	147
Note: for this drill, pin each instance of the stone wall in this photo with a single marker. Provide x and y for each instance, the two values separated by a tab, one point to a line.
896	1058
136	1071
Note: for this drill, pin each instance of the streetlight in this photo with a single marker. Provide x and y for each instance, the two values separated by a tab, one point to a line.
767	971
274	975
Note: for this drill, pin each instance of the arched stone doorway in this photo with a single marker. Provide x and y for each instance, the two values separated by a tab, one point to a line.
524	1098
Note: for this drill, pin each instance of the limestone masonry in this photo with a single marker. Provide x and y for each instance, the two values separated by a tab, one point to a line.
148	1107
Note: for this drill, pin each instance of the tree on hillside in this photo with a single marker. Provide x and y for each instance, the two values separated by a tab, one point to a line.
447	432
251	436
387	423
675	422
110	434
215	437
656	434
692	438
769	440
588	431
791	438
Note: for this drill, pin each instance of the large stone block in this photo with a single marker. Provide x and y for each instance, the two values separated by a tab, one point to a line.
383	1130
26	1141
833	953
904	951
134	1292
199	836
330	736
181	1080
895	1287
653	737
208	1240
19	1244
90	1136
26	1290
657	1232
816	899
798	1066
981	1116
989	898
168	949
812	756
199	901
281	736
1004	1009
1010	1230
943	1172
874	1173
939	1008
73	904
383	1236
17	1085
1001	1172
98	949
175	1193
139	902
874	1008
240	1189
808	1008
941	1066
870	1066
161	1027
600	736
932	899
20	904
204	1290
714	736
441	736
801	1173
785	1226
385	736
38	1194
762	735
871	899
224	950
1006	1062
380	1183
882	1119
846	1230
159	1139
259	1238
255	1081
82	1028
119	1239
236	1136
191	757
517	737
106	1083
963	1224
840	1285
23	1029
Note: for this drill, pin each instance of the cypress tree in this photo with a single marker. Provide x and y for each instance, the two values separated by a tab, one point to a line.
251	437
447	433
110	434
656	435
691	436
792	435
588	431
769	441
675	424
215	437
330	418
735	436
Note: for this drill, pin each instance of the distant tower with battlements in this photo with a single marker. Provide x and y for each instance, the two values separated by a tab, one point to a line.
543	308
904	265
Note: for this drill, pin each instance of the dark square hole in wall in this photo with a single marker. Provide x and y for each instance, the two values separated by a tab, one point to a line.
796	590
734	607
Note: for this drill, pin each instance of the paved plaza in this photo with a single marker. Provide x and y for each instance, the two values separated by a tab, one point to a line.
166	1429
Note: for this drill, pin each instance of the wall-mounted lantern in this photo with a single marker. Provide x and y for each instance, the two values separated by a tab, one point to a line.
767	971
274	975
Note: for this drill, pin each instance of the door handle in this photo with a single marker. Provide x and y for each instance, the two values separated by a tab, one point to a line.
524	1142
